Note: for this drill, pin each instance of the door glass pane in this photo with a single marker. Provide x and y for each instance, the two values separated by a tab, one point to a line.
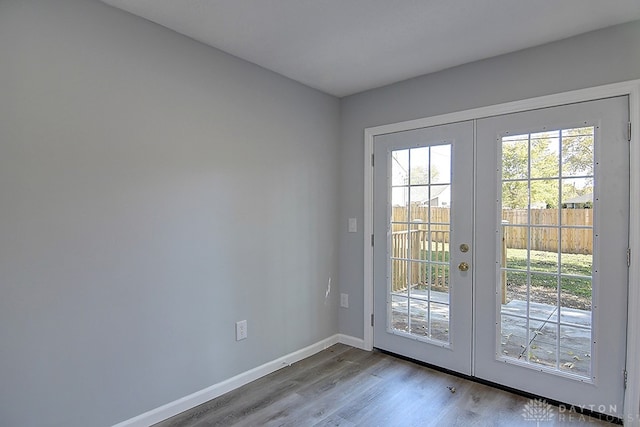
545	152
515	195
514	148
399	313
419	173
577	193
399	240
514	291
544	199
513	336
545	260
418	241
575	350
420	203
400	167
576	249
400	198
399	277
420	229
575	293
546	276
439	243
515	242
542	345
577	152
418	278
440	196
419	312
439	321
440	164
541	241
543	295
440	280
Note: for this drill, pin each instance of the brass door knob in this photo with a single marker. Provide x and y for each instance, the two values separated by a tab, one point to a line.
463	266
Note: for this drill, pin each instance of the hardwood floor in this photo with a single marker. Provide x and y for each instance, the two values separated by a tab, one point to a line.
344	386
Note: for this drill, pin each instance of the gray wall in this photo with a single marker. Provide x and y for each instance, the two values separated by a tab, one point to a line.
596	58
153	191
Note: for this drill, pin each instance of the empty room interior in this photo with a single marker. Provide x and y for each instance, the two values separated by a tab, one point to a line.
200	196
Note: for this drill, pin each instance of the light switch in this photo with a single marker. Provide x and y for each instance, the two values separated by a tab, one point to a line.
353	225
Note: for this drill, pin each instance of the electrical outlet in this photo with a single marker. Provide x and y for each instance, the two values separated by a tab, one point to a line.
344	300
241	330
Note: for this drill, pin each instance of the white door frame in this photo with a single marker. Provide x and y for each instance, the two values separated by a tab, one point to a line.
631	415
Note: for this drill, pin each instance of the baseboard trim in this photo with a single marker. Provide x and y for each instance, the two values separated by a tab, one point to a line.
351	341
199	397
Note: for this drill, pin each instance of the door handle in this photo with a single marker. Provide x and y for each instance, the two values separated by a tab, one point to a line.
463	266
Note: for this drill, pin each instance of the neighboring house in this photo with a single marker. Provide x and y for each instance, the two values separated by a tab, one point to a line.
534	205
579	202
440	197
538	205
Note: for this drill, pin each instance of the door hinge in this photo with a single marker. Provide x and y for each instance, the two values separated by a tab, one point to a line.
372	327
372	240
625	378
628	257
373	160
629	131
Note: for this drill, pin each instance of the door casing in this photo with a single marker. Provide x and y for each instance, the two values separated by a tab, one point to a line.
632	89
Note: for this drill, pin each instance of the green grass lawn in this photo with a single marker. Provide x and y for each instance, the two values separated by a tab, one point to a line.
543	262
574	264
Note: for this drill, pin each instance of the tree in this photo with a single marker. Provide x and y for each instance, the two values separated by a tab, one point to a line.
541	157
577	152
419	174
515	195
530	158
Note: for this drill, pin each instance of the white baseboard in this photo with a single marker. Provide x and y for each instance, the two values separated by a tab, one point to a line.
352	341
199	397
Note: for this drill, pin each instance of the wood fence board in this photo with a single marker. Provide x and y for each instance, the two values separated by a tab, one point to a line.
545	236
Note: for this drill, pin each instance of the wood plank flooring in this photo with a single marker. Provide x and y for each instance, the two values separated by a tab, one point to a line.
345	386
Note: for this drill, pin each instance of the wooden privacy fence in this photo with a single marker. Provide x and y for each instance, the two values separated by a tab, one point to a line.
420	214
571	240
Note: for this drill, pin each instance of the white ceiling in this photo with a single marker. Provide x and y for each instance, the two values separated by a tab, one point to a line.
343	47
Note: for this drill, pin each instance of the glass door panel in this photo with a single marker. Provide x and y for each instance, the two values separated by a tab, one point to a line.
541	294
422	308
420	202
552	219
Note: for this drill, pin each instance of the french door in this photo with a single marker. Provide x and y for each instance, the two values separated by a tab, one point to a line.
511	267
422	301
551	304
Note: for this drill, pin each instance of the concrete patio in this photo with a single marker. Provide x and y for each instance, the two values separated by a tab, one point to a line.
570	353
